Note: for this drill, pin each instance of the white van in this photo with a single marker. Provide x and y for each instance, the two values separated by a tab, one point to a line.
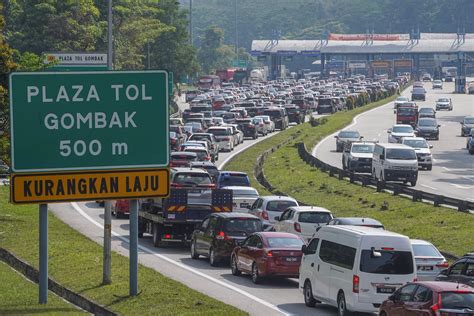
355	268
395	162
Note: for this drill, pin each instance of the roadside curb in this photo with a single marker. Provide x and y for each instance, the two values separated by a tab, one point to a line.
32	274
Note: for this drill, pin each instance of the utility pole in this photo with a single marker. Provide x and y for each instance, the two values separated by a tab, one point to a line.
191	22
236	31
106	277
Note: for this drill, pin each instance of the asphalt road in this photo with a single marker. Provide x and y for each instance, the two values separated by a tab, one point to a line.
453	167
274	297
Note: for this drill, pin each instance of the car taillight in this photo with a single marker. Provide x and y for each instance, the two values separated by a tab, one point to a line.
444	264
265	215
297	227
355	283
270	254
221	236
176	185
210	186
167	236
173	141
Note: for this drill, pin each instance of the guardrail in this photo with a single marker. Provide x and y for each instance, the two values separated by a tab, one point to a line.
396	189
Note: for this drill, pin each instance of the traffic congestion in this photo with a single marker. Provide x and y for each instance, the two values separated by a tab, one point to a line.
352	264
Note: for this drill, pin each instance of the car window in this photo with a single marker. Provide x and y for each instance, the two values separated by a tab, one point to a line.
212	224
258	242
314	217
204	224
457	268
337	254
252	241
284	242
422	294
242	226
406	292
312	246
390	262
285	215
425	251
470	269
192	178
255	204
279	205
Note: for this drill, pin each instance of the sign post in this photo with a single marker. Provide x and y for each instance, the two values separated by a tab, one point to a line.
99	135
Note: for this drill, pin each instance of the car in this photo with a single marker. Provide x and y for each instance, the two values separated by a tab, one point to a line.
398	131
196	127
444	104
422	150
302	220
270	124
260	125
182	159
400	101
230	117
232	178
357	221
430	298
268	254
218	121
242	197
220	233
427	128
437	84
470	143
248	128
198	180
208	166
211	139
176	121
180	134
461	271
426	77
357	156
429	261
395	162
344	137
237	133
121	208
354	268
278	116
174	142
224	137
426	112
467	125
201	152
295	114
418	94
270	206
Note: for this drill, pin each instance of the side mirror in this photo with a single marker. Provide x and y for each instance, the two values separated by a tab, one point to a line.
389	130
361	137
431	146
303	249
336	137
439	125
277	218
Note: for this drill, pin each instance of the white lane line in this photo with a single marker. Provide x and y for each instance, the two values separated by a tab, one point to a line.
460	186
178	264
447	169
468	178
427	186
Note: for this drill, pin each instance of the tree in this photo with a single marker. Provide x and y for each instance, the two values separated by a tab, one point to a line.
53	25
213	54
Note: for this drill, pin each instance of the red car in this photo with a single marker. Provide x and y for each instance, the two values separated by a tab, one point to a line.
121	208
430	298
265	254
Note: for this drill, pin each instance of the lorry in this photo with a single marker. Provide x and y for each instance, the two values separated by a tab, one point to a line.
258	74
208	82
226	75
407	115
175	217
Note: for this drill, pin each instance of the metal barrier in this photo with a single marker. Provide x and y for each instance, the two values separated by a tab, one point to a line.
396	189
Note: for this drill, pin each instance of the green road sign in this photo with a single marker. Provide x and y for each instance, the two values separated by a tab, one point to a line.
89	120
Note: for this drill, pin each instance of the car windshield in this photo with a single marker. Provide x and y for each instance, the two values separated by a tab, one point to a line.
402	99
279	205
416	143
266	118
427	123
273	113
244	192
425	251
228	115
183	157
219	132
257	121
401	154
242	226
349	134
235	180
314	217
457	300
406	111
363	149
469	120
443	100
284	242
402	129
201	154
390	262
427	110
192	178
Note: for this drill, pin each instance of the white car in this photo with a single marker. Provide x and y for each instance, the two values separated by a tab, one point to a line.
268	207
224	137
398	131
399	101
429	261
422	150
302	220
268	121
242	198
238	134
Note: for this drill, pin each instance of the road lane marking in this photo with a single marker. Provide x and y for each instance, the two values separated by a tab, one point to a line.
427	186
178	264
460	186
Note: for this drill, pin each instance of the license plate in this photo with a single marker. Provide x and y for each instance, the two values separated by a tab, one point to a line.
244	205
171	216
194	191
385	290
291	259
425	268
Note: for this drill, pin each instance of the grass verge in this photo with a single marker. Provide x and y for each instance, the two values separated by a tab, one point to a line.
20	296
76	262
448	229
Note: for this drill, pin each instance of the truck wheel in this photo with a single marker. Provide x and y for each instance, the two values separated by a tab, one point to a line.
413	183
156	234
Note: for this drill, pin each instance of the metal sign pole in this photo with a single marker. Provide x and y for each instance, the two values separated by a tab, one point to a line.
43	253
133	247
106	275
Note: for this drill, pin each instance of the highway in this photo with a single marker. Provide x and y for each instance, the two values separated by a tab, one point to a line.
453	167
273	297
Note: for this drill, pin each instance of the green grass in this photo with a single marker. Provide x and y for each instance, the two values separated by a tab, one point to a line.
449	230
76	262
20	296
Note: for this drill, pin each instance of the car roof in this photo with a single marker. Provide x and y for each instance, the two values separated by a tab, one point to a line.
364	220
277	234
277	197
440	286
360	230
413	138
203	163
232	173
238	187
402	125
185	153
315	209
395	145
234	215
189	170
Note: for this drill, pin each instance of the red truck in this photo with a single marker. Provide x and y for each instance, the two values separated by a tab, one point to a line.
226	75
407	115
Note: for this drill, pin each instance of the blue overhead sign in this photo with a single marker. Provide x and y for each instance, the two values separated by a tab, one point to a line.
311	53
287	52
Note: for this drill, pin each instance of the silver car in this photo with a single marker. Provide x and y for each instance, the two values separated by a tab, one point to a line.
429	261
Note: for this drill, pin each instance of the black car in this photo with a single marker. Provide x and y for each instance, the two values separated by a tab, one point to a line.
428	128
426	112
295	115
247	127
461	271
219	233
